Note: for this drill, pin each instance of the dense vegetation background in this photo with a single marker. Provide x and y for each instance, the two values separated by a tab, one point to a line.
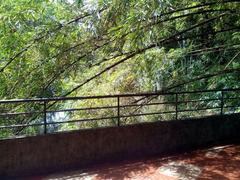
74	48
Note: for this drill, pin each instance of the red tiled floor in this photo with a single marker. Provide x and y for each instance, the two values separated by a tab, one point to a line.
218	163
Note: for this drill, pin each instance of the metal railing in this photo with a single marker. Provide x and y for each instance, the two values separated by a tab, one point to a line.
174	104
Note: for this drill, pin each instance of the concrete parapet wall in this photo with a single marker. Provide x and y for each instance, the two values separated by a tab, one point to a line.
46	153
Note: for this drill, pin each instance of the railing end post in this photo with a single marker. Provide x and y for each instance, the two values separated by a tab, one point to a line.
176	115
222	101
118	109
45	116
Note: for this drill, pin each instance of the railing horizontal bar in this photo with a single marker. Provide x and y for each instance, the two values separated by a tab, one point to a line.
107	107
20	113
37	100
205	91
111	96
231	106
148	104
81	120
101	107
20	125
200	109
81	109
107	118
200	100
146	114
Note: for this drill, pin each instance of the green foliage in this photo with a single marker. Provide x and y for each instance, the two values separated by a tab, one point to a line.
79	47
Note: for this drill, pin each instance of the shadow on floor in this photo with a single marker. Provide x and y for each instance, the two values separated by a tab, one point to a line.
219	163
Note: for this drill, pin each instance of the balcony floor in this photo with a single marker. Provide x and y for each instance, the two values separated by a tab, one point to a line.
217	163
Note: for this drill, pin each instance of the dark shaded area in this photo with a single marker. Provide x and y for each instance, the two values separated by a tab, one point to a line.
49	153
220	163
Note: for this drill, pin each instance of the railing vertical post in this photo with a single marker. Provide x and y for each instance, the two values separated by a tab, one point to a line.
222	101
176	106
45	116
118	106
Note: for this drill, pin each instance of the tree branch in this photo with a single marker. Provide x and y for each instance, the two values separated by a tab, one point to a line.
45	34
140	52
